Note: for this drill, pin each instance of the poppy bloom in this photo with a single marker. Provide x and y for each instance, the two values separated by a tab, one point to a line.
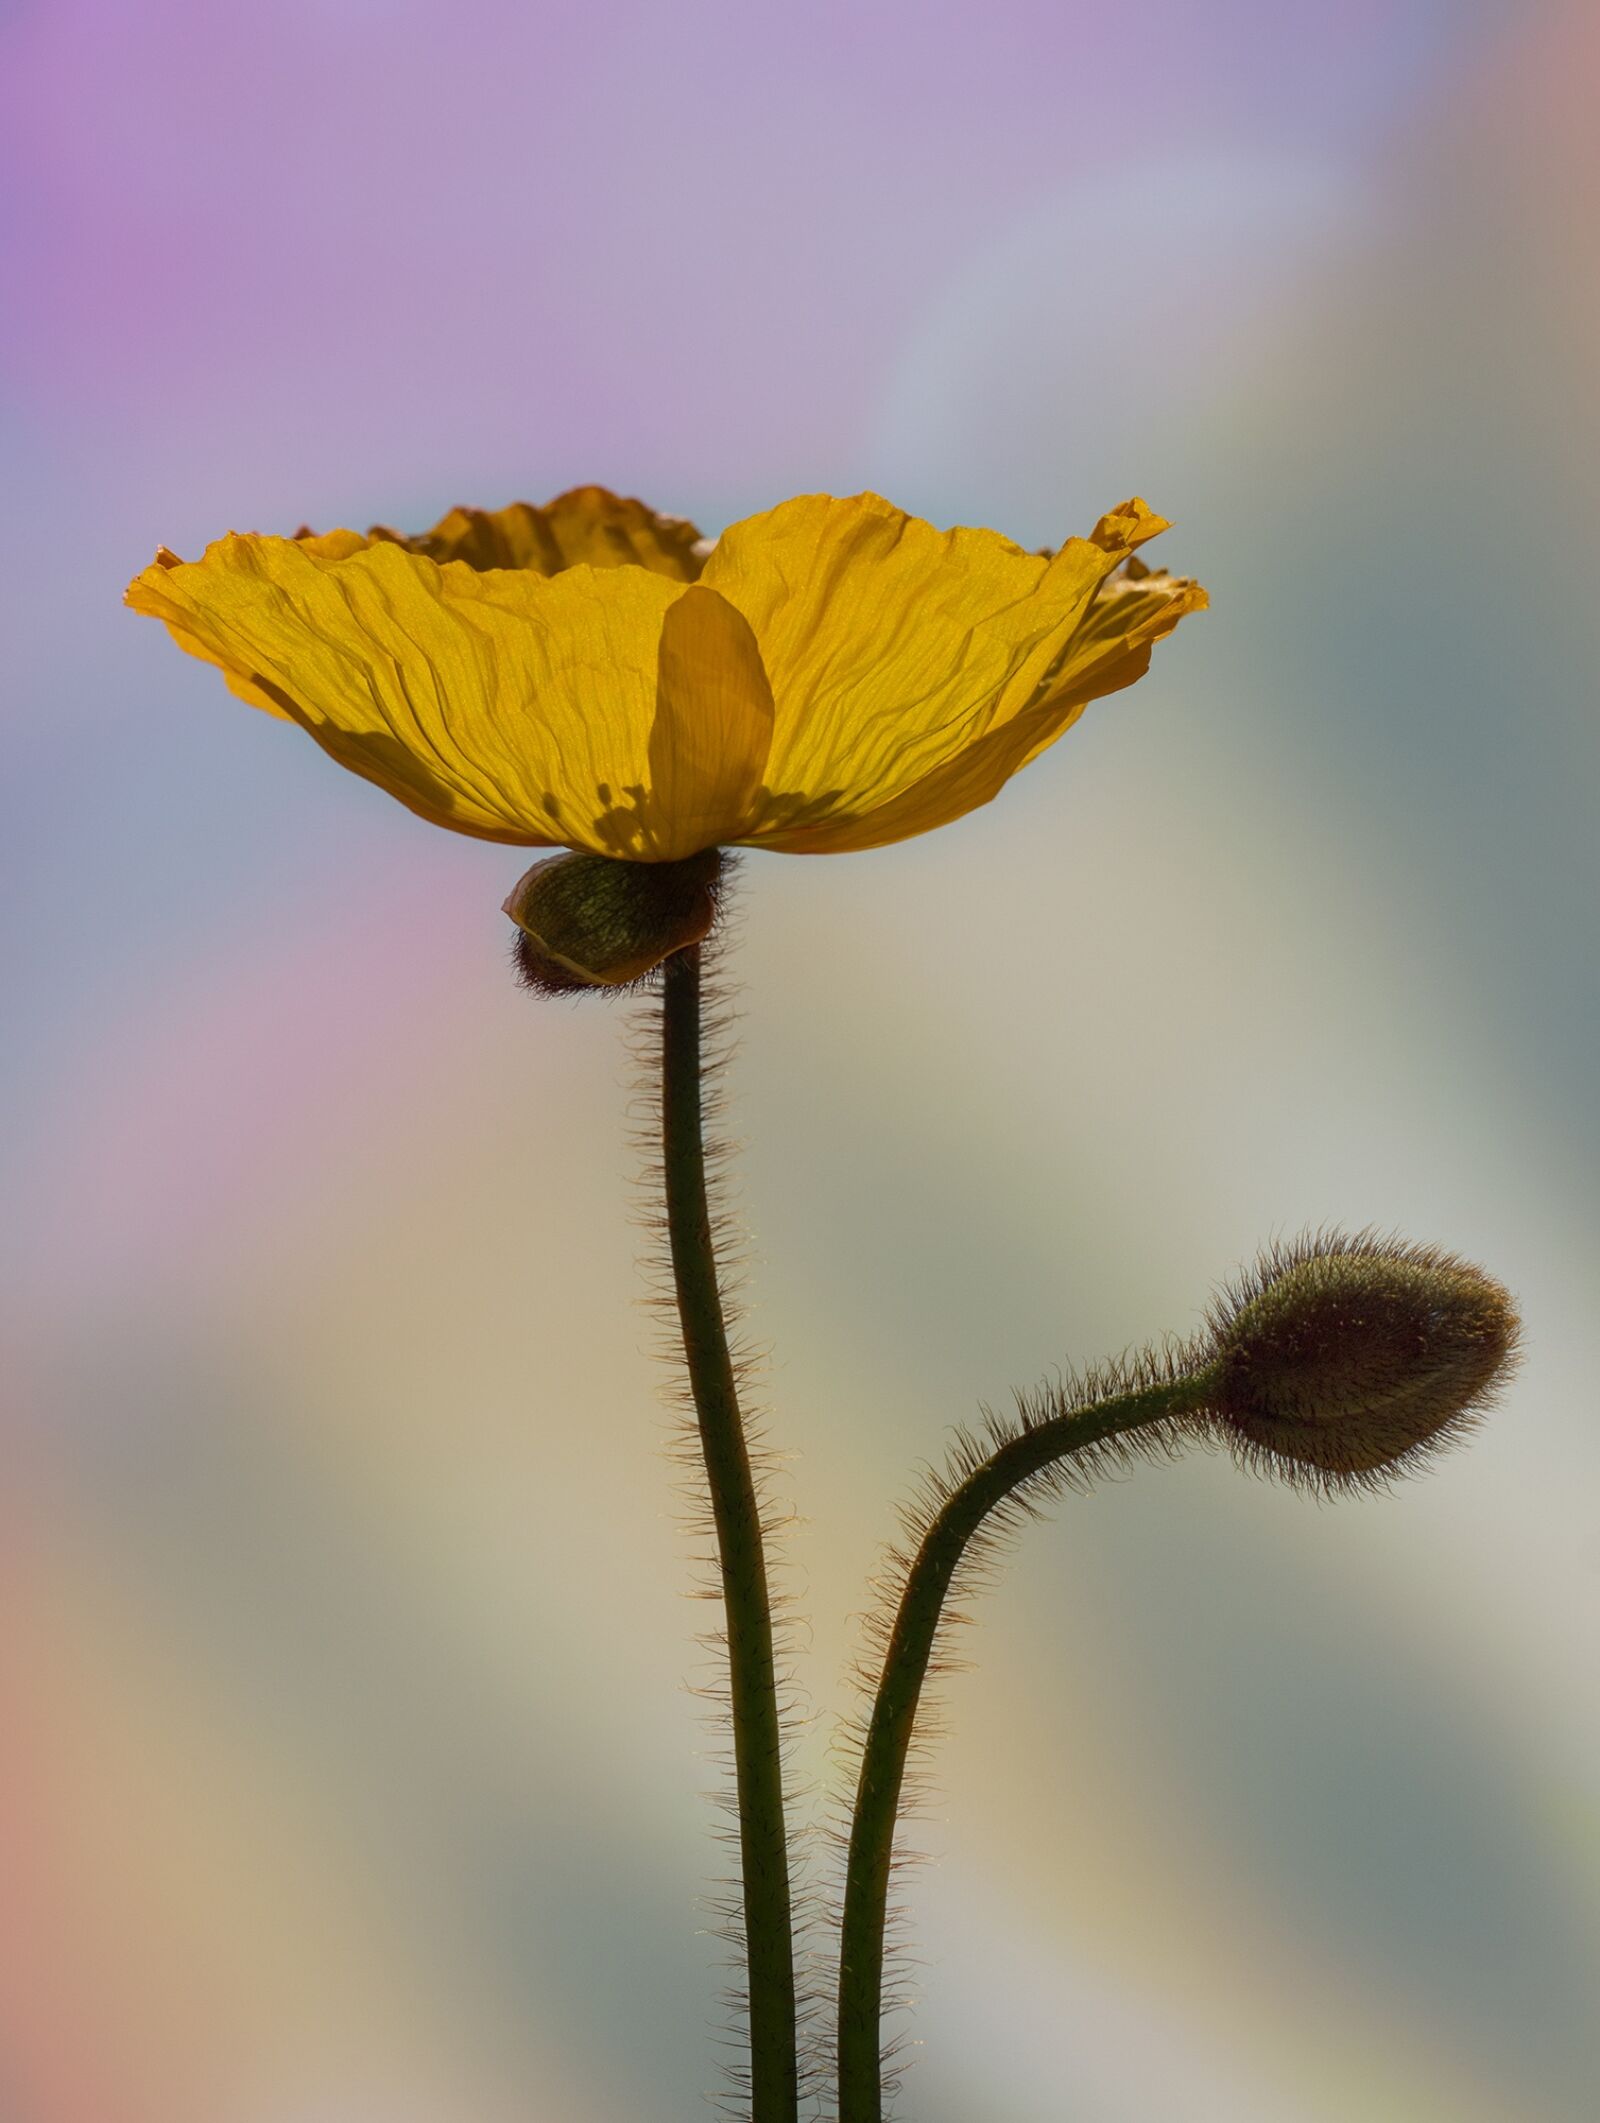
827	676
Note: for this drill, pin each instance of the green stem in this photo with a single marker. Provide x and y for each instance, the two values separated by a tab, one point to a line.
894	1711
757	1732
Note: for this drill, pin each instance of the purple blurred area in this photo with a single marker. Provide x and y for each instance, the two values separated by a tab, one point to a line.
351	1776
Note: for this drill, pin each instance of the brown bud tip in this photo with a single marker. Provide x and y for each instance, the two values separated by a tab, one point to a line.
1338	1360
590	921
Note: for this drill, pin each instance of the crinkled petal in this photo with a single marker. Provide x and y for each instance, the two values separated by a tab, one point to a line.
587	526
508	705
1123	529
329	546
892	647
238	685
844	675
1110	648
324	547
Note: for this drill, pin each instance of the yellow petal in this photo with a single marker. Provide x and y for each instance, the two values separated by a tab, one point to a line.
844	675
508	705
1109	649
891	647
585	526
713	723
238	685
331	545
326	547
606	530
1133	610
1126	526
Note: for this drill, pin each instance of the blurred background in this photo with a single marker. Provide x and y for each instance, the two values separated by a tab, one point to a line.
350	1775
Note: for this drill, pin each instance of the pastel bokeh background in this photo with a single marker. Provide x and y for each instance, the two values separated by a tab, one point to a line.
349	1775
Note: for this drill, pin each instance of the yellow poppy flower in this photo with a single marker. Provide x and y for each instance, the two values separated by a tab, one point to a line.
827	676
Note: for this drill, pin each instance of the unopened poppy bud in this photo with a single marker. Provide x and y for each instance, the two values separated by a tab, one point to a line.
1338	1359
592	921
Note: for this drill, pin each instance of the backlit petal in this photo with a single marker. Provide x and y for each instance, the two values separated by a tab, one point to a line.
836	675
586	526
538	710
238	685
1127	526
1110	649
713	727
892	647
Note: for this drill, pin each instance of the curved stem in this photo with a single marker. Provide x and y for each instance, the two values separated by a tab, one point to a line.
757	1734
894	1710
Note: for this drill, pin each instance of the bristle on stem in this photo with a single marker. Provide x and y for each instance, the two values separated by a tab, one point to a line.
1336	1364
1035	1450
765	1921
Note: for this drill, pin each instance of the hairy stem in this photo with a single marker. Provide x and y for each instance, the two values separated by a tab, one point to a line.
757	1734
894	1710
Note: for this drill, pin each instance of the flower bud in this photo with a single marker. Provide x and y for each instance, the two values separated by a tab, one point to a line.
591	921
1340	1358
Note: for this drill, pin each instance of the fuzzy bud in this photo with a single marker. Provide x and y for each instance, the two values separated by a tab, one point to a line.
592	921
1339	1359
